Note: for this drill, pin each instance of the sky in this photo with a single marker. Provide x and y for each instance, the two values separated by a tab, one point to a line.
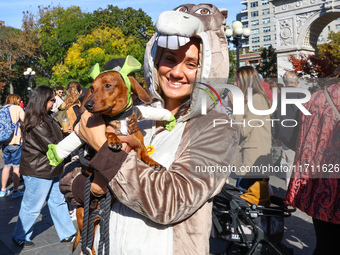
11	11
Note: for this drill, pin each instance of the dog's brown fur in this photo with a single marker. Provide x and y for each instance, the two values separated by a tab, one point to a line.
108	95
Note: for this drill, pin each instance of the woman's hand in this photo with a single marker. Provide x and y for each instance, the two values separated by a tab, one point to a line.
129	142
91	129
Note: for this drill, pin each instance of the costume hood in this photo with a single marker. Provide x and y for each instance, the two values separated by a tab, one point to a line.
174	29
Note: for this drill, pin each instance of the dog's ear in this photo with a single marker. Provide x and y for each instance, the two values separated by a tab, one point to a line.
82	107
139	91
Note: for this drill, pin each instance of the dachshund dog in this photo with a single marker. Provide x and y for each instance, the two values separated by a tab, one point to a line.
109	96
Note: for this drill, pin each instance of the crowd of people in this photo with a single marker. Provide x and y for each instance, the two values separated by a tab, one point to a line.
169	211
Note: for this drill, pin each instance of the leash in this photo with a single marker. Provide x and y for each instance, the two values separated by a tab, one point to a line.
103	212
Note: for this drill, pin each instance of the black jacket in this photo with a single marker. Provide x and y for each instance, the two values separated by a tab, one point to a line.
34	161
287	135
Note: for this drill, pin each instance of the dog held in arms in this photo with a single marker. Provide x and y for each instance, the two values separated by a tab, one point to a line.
110	96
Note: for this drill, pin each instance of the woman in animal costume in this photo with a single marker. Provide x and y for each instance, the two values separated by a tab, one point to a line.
169	211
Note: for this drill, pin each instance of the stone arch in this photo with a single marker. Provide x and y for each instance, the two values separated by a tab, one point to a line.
299	24
314	28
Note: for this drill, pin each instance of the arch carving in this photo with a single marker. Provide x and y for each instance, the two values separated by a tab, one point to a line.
299	24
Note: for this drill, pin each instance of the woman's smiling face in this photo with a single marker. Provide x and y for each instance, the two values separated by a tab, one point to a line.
175	71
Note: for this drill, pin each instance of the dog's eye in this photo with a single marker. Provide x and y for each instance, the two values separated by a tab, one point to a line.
107	86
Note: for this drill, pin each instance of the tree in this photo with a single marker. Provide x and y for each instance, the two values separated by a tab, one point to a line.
58	29
331	50
323	63
98	47
132	23
268	65
13	49
312	66
232	64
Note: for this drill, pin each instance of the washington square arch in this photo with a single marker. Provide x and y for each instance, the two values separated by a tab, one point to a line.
299	24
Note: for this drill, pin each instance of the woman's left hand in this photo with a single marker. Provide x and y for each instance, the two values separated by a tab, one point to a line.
91	129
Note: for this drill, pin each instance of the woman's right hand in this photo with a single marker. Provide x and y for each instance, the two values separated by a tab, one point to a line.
91	129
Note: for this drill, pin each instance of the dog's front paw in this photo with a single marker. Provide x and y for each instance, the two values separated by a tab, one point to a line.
115	146
158	168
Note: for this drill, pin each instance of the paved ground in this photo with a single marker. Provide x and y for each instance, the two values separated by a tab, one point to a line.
299	232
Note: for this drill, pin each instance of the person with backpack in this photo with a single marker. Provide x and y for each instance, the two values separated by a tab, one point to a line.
11	147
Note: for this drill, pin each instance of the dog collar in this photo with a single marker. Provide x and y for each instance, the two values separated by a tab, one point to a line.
131	64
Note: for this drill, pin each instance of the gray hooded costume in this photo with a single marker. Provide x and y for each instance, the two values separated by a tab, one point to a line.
169	212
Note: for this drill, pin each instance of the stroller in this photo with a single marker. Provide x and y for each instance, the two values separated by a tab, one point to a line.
242	228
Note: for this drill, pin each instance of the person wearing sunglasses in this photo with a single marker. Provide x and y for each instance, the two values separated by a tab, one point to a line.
58	98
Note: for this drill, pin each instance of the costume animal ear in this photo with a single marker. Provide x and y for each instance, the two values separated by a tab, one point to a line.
139	91
94	71
131	64
224	12
82	107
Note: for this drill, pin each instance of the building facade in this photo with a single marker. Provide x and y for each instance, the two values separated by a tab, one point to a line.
259	17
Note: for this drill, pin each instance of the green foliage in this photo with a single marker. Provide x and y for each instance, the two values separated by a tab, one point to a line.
331	50
268	65
58	29
232	64
62	44
131	22
98	47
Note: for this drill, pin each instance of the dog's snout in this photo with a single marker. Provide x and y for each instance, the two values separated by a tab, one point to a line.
89	105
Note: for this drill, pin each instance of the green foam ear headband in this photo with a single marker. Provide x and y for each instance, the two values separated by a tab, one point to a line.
131	64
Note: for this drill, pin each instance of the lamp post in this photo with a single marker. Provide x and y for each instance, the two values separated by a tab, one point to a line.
237	32
29	75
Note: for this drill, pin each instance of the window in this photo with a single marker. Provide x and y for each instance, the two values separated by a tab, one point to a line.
254	14
329	28
255	22
245	25
266	46
265	11
255	39
255	31
266	38
266	20
337	26
266	29
265	2
254	4
254	63
256	48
